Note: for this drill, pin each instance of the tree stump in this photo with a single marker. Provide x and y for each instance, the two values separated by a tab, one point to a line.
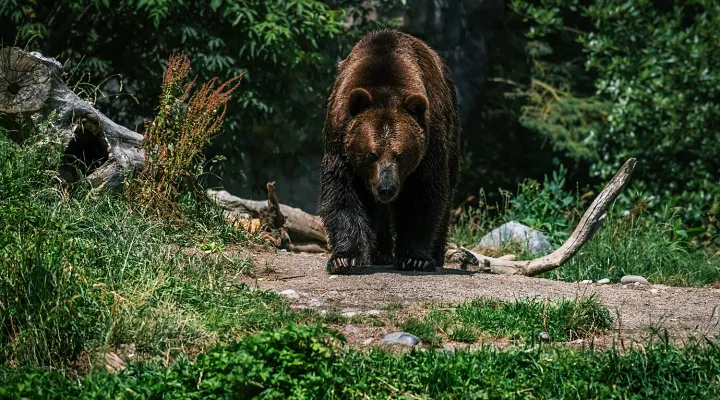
32	91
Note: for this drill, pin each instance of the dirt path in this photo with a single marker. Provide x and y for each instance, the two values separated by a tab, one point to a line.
682	311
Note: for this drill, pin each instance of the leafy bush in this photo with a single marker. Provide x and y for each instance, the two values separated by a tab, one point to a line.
654	69
175	141
301	362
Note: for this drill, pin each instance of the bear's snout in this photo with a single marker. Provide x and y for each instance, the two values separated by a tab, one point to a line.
386	188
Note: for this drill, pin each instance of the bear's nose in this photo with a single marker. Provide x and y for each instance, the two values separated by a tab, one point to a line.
386	191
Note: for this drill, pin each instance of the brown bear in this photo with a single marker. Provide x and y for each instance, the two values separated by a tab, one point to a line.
390	165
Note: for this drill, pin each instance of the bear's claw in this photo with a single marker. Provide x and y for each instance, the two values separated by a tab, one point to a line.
341	265
415	264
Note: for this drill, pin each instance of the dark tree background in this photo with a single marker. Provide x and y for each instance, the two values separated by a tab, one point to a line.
585	84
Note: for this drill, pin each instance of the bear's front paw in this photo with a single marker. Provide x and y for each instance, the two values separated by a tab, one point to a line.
415	264
342	265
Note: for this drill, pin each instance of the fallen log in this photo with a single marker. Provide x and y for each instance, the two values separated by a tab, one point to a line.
31	89
302	226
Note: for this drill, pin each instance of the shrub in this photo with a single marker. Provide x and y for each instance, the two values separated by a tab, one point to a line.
174	142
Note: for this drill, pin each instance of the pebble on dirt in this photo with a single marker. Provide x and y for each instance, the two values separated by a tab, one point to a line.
544	336
603	281
290	294
587	281
401	338
317	303
627	279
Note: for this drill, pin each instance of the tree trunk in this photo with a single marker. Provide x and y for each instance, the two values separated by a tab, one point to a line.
31	89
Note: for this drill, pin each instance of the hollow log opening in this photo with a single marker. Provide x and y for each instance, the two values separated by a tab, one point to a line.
84	153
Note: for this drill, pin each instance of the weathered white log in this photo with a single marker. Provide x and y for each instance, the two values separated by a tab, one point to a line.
31	90
584	231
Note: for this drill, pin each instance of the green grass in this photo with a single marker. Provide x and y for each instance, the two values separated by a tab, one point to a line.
640	247
79	273
653	246
522	319
308	362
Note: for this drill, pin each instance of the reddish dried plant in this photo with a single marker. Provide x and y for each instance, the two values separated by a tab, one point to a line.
175	140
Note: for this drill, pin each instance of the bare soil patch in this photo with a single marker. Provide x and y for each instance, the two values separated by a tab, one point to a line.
638	310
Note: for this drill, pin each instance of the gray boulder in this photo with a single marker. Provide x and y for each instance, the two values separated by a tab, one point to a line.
530	239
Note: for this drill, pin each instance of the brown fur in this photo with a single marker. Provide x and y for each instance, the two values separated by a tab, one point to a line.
391	123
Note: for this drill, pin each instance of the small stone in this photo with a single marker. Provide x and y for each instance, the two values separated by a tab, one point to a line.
290	294
332	277
317	303
367	341
373	312
544	336
447	350
634	279
624	286
603	281
349	314
401	338
351	329
587	281
113	362
654	291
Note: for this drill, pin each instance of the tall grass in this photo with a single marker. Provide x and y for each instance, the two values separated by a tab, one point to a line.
78	274
657	246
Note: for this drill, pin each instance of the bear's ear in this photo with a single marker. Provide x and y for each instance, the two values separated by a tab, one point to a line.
416	105
360	99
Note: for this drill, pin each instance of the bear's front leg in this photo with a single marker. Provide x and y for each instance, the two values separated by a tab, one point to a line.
345	218
417	217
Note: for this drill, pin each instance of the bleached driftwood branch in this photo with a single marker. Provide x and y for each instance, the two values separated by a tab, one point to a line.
584	231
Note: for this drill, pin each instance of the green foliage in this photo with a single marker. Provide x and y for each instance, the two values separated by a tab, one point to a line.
522	319
654	70
175	141
659	251
300	362
79	273
547	207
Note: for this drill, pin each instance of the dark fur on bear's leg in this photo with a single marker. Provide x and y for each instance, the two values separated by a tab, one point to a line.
417	220
341	206
383	252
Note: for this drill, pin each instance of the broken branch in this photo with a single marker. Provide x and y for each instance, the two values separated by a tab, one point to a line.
586	228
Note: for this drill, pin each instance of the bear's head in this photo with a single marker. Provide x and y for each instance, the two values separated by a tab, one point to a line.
385	138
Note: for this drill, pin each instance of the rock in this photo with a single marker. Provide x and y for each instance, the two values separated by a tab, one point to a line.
447	350
603	281
587	281
349	312
513	231
654	291
627	279
113	362
290	294
401	338
373	312
349	329
367	341
544	336
317	303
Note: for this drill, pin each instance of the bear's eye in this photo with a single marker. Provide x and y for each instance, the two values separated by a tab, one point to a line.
400	156
372	156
